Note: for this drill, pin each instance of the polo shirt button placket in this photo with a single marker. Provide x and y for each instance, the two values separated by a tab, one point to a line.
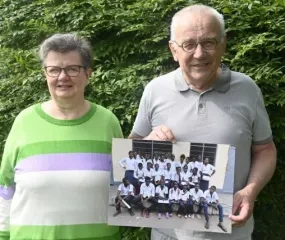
201	106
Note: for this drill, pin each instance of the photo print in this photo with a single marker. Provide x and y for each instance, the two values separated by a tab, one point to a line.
184	185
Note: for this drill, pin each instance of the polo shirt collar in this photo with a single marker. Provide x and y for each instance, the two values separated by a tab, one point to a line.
222	84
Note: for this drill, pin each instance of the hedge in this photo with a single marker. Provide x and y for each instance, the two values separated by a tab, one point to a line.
130	40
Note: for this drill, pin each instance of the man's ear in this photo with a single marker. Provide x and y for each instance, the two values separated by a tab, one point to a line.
173	50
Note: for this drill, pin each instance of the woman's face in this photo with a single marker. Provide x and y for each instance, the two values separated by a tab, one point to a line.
64	86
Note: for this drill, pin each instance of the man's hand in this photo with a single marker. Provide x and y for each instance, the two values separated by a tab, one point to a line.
161	133
242	208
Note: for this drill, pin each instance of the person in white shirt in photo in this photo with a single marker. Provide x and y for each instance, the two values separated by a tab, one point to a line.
161	193
199	163
155	159
185	176
184	202
162	163
208	171
182	161
157	174
196	198
148	171
212	199
129	165
174	193
139	176
167	175
194	177
125	193
176	176
147	193
190	164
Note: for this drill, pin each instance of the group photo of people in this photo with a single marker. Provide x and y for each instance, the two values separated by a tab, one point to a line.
156	184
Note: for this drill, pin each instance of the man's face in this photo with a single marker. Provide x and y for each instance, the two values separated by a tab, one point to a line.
135	154
185	168
206	161
172	157
148	165
212	189
168	166
178	169
147	182
200	66
126	182
196	187
147	156
156	166
131	154
161	183
175	185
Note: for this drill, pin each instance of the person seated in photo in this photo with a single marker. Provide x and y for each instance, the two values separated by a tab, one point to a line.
196	199
146	197
176	176
128	163
185	176
194	177
167	175
139	176
199	163
174	193
212	199
208	171
124	197
182	161
157	174
184	196
161	193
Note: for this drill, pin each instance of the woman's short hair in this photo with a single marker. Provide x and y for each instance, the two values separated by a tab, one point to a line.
67	42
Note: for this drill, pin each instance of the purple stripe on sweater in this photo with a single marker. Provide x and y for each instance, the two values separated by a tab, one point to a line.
7	192
65	161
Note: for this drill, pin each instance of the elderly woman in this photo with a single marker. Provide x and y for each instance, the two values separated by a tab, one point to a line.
55	171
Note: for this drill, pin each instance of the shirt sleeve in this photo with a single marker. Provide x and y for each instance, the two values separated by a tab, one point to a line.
122	162
142	126
262	133
7	185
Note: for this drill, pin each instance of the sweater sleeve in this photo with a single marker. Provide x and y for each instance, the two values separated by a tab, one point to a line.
7	185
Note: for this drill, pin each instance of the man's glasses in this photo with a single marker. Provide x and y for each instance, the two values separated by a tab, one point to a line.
190	46
71	71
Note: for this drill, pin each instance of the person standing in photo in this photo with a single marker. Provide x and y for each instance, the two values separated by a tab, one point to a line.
207	171
129	164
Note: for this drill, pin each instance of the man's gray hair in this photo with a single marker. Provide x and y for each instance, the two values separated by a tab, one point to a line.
196	9
67	42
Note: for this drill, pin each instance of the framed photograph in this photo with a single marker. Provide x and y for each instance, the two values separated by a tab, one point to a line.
159	184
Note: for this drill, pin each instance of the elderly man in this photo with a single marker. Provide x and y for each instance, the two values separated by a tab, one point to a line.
210	103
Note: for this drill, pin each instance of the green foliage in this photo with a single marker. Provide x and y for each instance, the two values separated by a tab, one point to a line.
130	40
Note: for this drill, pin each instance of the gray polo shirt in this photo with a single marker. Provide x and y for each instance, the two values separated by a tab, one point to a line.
231	112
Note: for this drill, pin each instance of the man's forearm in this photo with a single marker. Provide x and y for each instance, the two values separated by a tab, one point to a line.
262	168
